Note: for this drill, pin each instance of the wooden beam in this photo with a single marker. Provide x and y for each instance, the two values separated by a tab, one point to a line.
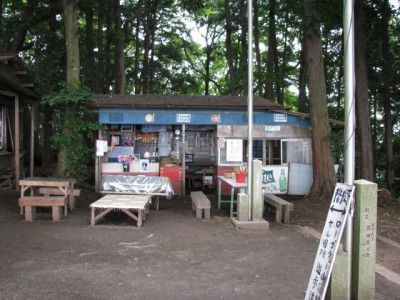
8	93
30	84
20	72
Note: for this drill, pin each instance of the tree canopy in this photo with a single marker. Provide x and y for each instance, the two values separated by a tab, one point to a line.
200	47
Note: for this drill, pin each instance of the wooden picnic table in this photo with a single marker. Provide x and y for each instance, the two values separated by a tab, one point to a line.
126	203
30	199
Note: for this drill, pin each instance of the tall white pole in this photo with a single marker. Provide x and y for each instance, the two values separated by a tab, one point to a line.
349	78
250	106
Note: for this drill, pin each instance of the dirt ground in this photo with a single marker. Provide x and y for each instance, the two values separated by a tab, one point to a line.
173	256
313	212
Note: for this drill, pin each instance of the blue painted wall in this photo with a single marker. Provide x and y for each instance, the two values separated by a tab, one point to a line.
195	117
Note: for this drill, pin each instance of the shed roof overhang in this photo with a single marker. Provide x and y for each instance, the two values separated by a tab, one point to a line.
14	80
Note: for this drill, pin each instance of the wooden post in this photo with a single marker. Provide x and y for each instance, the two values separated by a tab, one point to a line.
16	136
32	156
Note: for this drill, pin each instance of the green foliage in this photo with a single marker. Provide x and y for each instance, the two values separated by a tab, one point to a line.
74	125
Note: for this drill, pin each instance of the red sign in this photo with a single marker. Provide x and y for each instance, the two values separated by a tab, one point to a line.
215	118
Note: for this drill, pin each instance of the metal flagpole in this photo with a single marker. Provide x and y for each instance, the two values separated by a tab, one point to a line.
349	103
349	107
250	106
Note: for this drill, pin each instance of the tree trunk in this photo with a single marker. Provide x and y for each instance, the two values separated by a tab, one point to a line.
119	57
280	69
229	50
365	166
47	128
207	70
243	41
100	46
146	48
73	65
302	100
90	61
269	87
71	41
107	35
138	44
256	27
153	28
386	78
323	169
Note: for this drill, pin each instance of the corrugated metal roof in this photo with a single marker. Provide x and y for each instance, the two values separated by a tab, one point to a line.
183	101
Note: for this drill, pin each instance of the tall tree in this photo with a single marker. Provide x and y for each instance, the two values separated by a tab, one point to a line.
271	57
365	165
302	100
232	79
387	106
72	42
119	56
73	67
258	70
138	45
243	43
323	169
89	63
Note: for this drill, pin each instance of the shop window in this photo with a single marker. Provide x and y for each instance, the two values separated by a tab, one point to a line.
296	151
258	149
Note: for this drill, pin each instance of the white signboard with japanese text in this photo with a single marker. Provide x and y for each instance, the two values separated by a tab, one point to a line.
234	150
329	242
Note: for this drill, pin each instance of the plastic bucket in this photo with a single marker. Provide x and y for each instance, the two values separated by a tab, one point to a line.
240	177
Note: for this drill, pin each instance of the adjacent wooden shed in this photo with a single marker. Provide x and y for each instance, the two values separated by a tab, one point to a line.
17	111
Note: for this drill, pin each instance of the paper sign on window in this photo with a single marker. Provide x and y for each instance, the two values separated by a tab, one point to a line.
234	150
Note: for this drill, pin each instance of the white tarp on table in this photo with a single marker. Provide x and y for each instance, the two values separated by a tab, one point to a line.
136	185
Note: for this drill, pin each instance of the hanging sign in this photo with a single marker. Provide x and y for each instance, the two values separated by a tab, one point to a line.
329	242
280	118
183	118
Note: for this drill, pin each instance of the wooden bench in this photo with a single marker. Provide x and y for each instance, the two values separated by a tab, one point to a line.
200	204
57	192
283	207
7	178
56	203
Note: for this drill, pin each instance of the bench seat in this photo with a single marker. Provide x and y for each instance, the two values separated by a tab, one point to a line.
201	204
56	203
283	207
56	191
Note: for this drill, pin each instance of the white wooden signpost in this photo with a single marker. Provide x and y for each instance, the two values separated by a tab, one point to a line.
329	242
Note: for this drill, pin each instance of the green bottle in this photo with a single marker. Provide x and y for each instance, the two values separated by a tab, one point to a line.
282	181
